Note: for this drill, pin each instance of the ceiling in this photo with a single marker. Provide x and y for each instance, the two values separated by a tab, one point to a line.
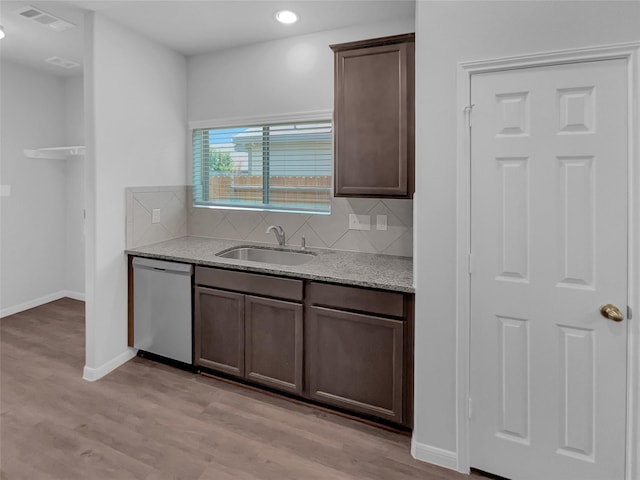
187	26
30	43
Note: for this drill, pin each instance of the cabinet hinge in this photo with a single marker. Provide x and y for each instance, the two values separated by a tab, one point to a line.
467	111
470	262
629	313
469	409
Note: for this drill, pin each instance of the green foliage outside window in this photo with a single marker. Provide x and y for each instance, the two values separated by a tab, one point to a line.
220	161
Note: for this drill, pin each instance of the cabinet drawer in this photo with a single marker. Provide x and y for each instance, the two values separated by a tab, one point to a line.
286	288
359	299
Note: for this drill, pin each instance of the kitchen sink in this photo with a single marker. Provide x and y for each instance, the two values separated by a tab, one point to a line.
267	255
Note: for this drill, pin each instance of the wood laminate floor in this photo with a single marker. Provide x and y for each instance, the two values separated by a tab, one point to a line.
150	421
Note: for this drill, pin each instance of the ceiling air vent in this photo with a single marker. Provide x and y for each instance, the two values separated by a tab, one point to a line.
62	62
44	18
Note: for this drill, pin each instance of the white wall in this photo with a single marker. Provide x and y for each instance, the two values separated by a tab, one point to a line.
74	110
74	189
135	132
33	217
447	33
283	76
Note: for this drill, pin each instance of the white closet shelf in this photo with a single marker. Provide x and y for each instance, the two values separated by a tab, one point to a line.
54	153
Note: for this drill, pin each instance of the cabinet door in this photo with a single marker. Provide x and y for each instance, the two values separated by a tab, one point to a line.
219	330
354	361
273	343
372	121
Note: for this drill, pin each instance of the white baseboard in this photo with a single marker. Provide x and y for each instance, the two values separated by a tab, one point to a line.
93	374
73	295
437	456
36	302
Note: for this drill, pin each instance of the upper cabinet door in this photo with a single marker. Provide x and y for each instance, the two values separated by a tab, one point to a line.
374	117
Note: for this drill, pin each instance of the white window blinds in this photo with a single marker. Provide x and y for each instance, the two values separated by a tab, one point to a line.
278	167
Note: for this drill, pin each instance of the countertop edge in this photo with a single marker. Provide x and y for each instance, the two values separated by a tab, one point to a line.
269	270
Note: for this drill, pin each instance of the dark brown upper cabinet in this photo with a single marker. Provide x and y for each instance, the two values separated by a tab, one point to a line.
374	117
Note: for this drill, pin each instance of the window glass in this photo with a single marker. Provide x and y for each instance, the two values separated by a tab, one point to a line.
281	167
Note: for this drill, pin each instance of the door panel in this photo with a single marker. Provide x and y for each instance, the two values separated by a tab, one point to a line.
219	330
549	239
577	221
577	388
355	361
513	368
273	347
514	173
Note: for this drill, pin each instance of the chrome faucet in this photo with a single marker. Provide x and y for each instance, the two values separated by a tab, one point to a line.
279	231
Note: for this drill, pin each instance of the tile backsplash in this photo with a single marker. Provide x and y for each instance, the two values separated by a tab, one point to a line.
140	203
178	218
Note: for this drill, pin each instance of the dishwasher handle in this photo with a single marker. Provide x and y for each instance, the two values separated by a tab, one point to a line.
162	266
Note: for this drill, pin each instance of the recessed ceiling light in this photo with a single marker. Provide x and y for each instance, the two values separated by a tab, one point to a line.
286	17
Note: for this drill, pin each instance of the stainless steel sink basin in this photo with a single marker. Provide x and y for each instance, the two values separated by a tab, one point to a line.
267	255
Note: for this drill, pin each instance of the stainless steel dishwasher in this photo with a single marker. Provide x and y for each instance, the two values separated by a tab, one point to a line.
162	308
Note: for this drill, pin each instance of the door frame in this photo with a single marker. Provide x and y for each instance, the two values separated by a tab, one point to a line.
630	52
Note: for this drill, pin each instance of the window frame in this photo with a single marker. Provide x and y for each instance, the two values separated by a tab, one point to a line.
239	122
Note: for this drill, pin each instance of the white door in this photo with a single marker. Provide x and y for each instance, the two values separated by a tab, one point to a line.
549	248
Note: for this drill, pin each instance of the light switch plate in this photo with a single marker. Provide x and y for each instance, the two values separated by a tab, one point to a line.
381	222
359	222
155	215
5	190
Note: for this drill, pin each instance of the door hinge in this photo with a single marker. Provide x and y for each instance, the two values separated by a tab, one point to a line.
470	261
469	409
629	313
467	111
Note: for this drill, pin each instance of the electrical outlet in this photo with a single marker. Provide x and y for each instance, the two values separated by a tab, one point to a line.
155	215
359	222
381	222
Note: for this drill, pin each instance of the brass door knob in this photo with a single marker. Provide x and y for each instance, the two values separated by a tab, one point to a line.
611	312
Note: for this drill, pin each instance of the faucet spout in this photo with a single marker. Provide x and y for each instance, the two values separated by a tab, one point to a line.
280	235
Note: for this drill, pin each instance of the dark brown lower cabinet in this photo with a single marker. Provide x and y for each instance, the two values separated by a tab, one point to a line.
273	343
355	361
219	330
249	336
345	346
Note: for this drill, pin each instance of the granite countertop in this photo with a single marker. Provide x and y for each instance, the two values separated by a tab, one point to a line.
351	268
